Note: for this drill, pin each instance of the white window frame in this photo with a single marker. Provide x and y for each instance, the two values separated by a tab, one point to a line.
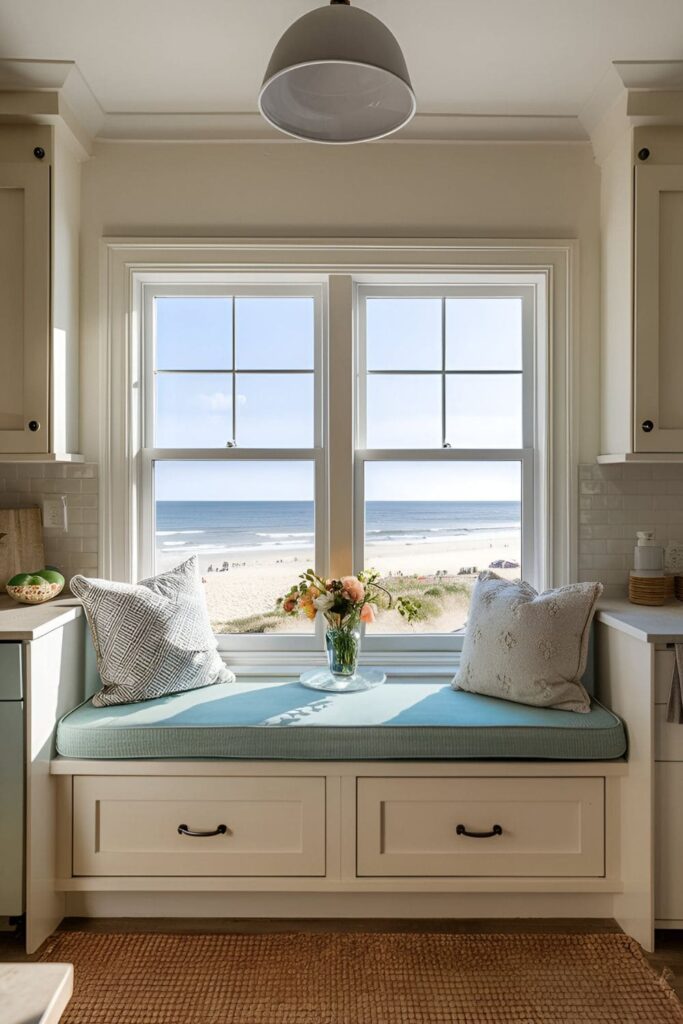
533	373
548	266
167	286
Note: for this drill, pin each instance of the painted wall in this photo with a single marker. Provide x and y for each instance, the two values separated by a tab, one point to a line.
513	190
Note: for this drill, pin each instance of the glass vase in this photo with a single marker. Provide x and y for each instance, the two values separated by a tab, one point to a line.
343	648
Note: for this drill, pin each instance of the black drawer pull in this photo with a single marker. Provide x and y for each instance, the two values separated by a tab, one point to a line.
185	831
460	830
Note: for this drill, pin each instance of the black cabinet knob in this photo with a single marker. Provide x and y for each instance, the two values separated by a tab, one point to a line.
33	425
644	153
647	426
39	153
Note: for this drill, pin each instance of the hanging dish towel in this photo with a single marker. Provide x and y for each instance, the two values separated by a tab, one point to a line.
674	712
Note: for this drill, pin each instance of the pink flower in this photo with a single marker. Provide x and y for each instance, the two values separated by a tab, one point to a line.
288	605
353	589
367	613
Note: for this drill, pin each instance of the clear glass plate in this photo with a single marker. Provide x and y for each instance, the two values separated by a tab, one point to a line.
322	679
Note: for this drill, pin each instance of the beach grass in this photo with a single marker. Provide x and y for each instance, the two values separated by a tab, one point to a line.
435	597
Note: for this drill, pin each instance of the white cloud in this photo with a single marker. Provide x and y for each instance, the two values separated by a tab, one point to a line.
217	402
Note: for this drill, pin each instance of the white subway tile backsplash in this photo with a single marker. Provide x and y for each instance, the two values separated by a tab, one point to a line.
592	487
617	501
594	517
84	500
29	470
26	483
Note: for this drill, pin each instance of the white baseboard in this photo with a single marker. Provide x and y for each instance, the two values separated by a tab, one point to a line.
346	905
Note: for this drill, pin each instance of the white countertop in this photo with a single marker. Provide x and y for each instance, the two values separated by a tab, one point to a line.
660	625
34	993
29	621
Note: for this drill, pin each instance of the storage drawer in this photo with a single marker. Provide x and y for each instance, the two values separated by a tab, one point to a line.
548	827
129	826
669	842
10	672
668	737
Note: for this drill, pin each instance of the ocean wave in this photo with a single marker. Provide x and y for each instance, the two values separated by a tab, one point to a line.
283	536
173	533
445	531
227	549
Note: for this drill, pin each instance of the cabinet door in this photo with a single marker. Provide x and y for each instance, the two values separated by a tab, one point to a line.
11	807
669	843
25	305
658	384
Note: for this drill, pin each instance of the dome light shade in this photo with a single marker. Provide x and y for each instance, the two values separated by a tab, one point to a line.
337	75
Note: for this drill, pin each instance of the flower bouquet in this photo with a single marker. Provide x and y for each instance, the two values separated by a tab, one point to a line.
344	603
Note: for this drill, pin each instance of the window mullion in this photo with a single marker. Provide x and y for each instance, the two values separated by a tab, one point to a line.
341	421
234	373
443	373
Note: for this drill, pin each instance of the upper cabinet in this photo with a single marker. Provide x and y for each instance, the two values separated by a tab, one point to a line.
658	309
25	304
39	202
642	296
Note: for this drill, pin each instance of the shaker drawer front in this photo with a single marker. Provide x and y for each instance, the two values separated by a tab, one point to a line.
10	672
508	827
251	826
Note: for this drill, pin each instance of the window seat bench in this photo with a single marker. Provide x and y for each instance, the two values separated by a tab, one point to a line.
406	720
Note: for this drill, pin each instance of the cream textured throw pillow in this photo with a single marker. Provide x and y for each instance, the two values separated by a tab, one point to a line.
151	638
528	647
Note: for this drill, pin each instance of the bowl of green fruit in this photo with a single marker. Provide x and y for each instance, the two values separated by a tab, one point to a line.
36	587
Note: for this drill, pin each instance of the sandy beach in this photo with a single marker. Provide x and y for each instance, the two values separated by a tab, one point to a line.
255	579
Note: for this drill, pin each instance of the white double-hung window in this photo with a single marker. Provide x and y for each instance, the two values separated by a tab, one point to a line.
232	466
445	459
240	394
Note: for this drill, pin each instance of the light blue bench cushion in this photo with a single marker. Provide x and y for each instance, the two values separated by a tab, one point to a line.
282	720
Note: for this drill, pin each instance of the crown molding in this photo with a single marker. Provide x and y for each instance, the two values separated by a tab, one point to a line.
251	127
54	91
657	75
634	93
48	90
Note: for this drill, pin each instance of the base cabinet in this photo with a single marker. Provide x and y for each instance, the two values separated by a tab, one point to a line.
669	844
230	826
339	827
486	827
668	807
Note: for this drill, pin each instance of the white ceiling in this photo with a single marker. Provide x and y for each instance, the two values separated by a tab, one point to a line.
466	57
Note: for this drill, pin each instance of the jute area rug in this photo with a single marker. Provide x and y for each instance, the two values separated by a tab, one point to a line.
362	979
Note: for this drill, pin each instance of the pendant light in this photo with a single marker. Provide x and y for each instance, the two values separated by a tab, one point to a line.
337	75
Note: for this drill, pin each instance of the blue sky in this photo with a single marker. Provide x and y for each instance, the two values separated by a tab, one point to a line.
195	409
293	481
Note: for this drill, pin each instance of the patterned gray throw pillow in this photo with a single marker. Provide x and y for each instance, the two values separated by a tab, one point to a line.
151	638
528	647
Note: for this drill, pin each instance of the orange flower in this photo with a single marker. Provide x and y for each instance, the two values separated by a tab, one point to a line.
367	613
353	588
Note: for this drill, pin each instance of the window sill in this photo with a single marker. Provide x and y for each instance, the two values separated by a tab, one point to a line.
398	666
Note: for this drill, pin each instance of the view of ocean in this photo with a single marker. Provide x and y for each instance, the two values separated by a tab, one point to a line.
213	527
